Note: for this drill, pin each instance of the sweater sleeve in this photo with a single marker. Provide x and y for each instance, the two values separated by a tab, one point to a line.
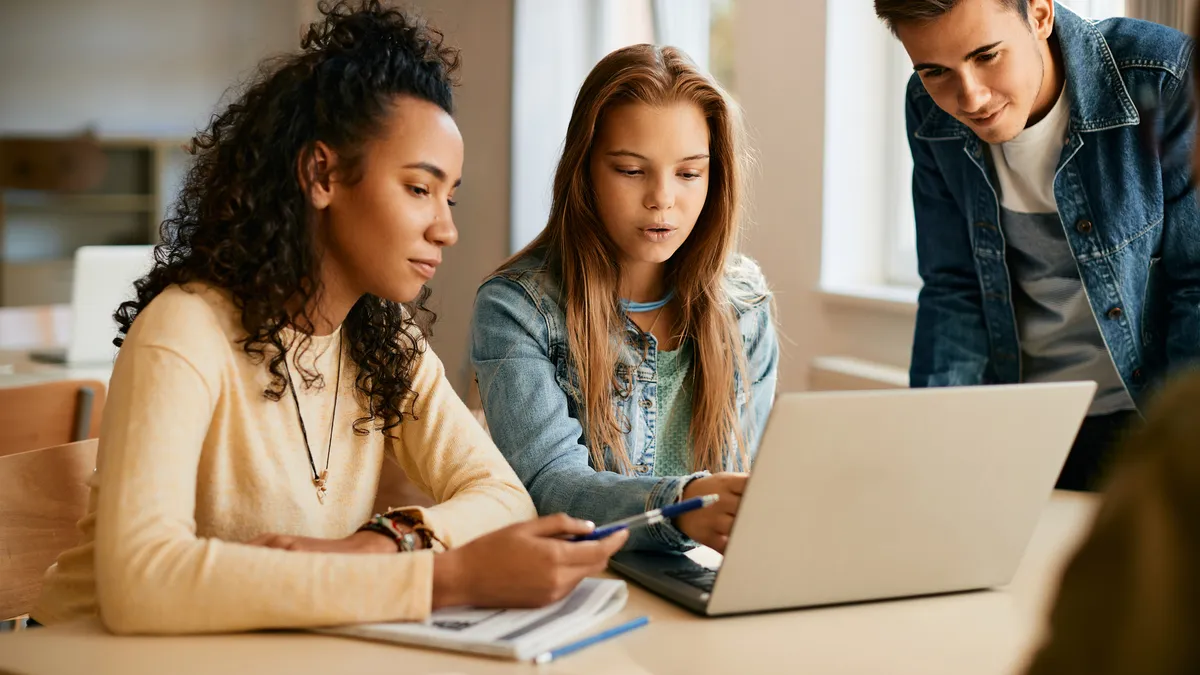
449	456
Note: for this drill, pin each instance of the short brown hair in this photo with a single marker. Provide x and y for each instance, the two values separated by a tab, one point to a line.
897	12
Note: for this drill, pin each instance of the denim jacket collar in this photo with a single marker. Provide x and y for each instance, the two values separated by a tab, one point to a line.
1099	99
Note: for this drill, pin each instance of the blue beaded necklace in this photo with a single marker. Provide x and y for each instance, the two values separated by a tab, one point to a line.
631	307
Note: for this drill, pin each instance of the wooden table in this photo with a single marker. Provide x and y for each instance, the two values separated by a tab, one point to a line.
979	633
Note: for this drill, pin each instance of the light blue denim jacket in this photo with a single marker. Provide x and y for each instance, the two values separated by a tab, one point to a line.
1125	198
529	393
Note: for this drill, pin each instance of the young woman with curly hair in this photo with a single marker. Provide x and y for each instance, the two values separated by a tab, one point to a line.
275	353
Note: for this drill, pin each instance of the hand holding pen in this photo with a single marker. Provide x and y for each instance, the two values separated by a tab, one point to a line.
652	517
712	526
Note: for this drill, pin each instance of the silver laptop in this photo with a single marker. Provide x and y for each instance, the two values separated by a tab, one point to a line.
103	279
868	495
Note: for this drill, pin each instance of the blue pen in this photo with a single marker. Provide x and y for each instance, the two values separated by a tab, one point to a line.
649	518
547	657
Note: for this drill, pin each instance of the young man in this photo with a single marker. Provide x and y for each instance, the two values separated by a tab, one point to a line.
1058	236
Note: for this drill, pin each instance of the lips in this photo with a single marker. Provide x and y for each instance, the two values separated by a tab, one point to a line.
657	233
659	228
988	119
426	267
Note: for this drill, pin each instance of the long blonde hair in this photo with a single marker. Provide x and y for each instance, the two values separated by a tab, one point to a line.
579	250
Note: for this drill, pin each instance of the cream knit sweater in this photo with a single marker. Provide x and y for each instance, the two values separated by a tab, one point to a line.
193	460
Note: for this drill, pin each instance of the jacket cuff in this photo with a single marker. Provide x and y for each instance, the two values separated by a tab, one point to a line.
669	491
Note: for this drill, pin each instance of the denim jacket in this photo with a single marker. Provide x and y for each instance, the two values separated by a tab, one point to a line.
529	393
1125	200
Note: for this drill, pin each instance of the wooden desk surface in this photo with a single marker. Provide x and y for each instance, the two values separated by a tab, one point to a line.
978	633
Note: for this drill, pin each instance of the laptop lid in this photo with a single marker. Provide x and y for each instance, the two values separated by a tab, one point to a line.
868	495
103	279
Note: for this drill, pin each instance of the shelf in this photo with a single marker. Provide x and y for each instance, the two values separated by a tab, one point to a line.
19	202
41	230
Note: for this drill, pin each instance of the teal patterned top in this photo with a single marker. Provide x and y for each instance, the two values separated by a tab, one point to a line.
673	451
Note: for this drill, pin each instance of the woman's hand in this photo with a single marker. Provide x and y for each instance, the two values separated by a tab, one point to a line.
359	542
711	526
529	564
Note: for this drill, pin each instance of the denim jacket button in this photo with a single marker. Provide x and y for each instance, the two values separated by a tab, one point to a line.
641	468
1115	313
1084	226
1137	376
647	403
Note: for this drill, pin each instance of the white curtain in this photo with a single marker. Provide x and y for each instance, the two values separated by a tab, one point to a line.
684	24
556	43
1174	13
1096	9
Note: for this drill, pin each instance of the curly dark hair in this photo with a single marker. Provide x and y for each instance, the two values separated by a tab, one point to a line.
242	222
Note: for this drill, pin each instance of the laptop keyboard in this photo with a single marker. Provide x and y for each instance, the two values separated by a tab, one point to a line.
700	577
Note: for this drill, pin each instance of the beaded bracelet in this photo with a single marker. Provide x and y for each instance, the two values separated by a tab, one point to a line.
417	525
406	542
387	525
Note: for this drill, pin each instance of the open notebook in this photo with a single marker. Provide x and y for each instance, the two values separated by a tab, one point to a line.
520	634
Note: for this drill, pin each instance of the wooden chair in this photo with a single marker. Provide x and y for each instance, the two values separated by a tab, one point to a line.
43	494
54	413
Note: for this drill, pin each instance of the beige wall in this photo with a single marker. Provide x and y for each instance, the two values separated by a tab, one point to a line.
779	48
780	74
483	30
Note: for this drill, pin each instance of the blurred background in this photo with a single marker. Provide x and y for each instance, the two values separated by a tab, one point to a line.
98	97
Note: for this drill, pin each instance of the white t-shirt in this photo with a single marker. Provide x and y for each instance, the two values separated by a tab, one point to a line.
1060	338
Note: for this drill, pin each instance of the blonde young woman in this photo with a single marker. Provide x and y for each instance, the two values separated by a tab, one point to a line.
627	358
274	355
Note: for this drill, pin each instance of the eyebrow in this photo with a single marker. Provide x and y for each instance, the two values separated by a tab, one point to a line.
968	57
433	169
630	153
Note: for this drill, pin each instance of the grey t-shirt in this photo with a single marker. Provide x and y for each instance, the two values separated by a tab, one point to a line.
1060	339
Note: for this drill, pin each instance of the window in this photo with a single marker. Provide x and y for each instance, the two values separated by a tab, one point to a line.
556	43
900	241
1097	9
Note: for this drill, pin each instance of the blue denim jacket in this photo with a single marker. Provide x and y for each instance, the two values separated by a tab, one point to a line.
1125	200
519	351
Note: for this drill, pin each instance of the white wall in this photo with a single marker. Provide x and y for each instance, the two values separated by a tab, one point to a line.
547	54
780	71
130	67
857	194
